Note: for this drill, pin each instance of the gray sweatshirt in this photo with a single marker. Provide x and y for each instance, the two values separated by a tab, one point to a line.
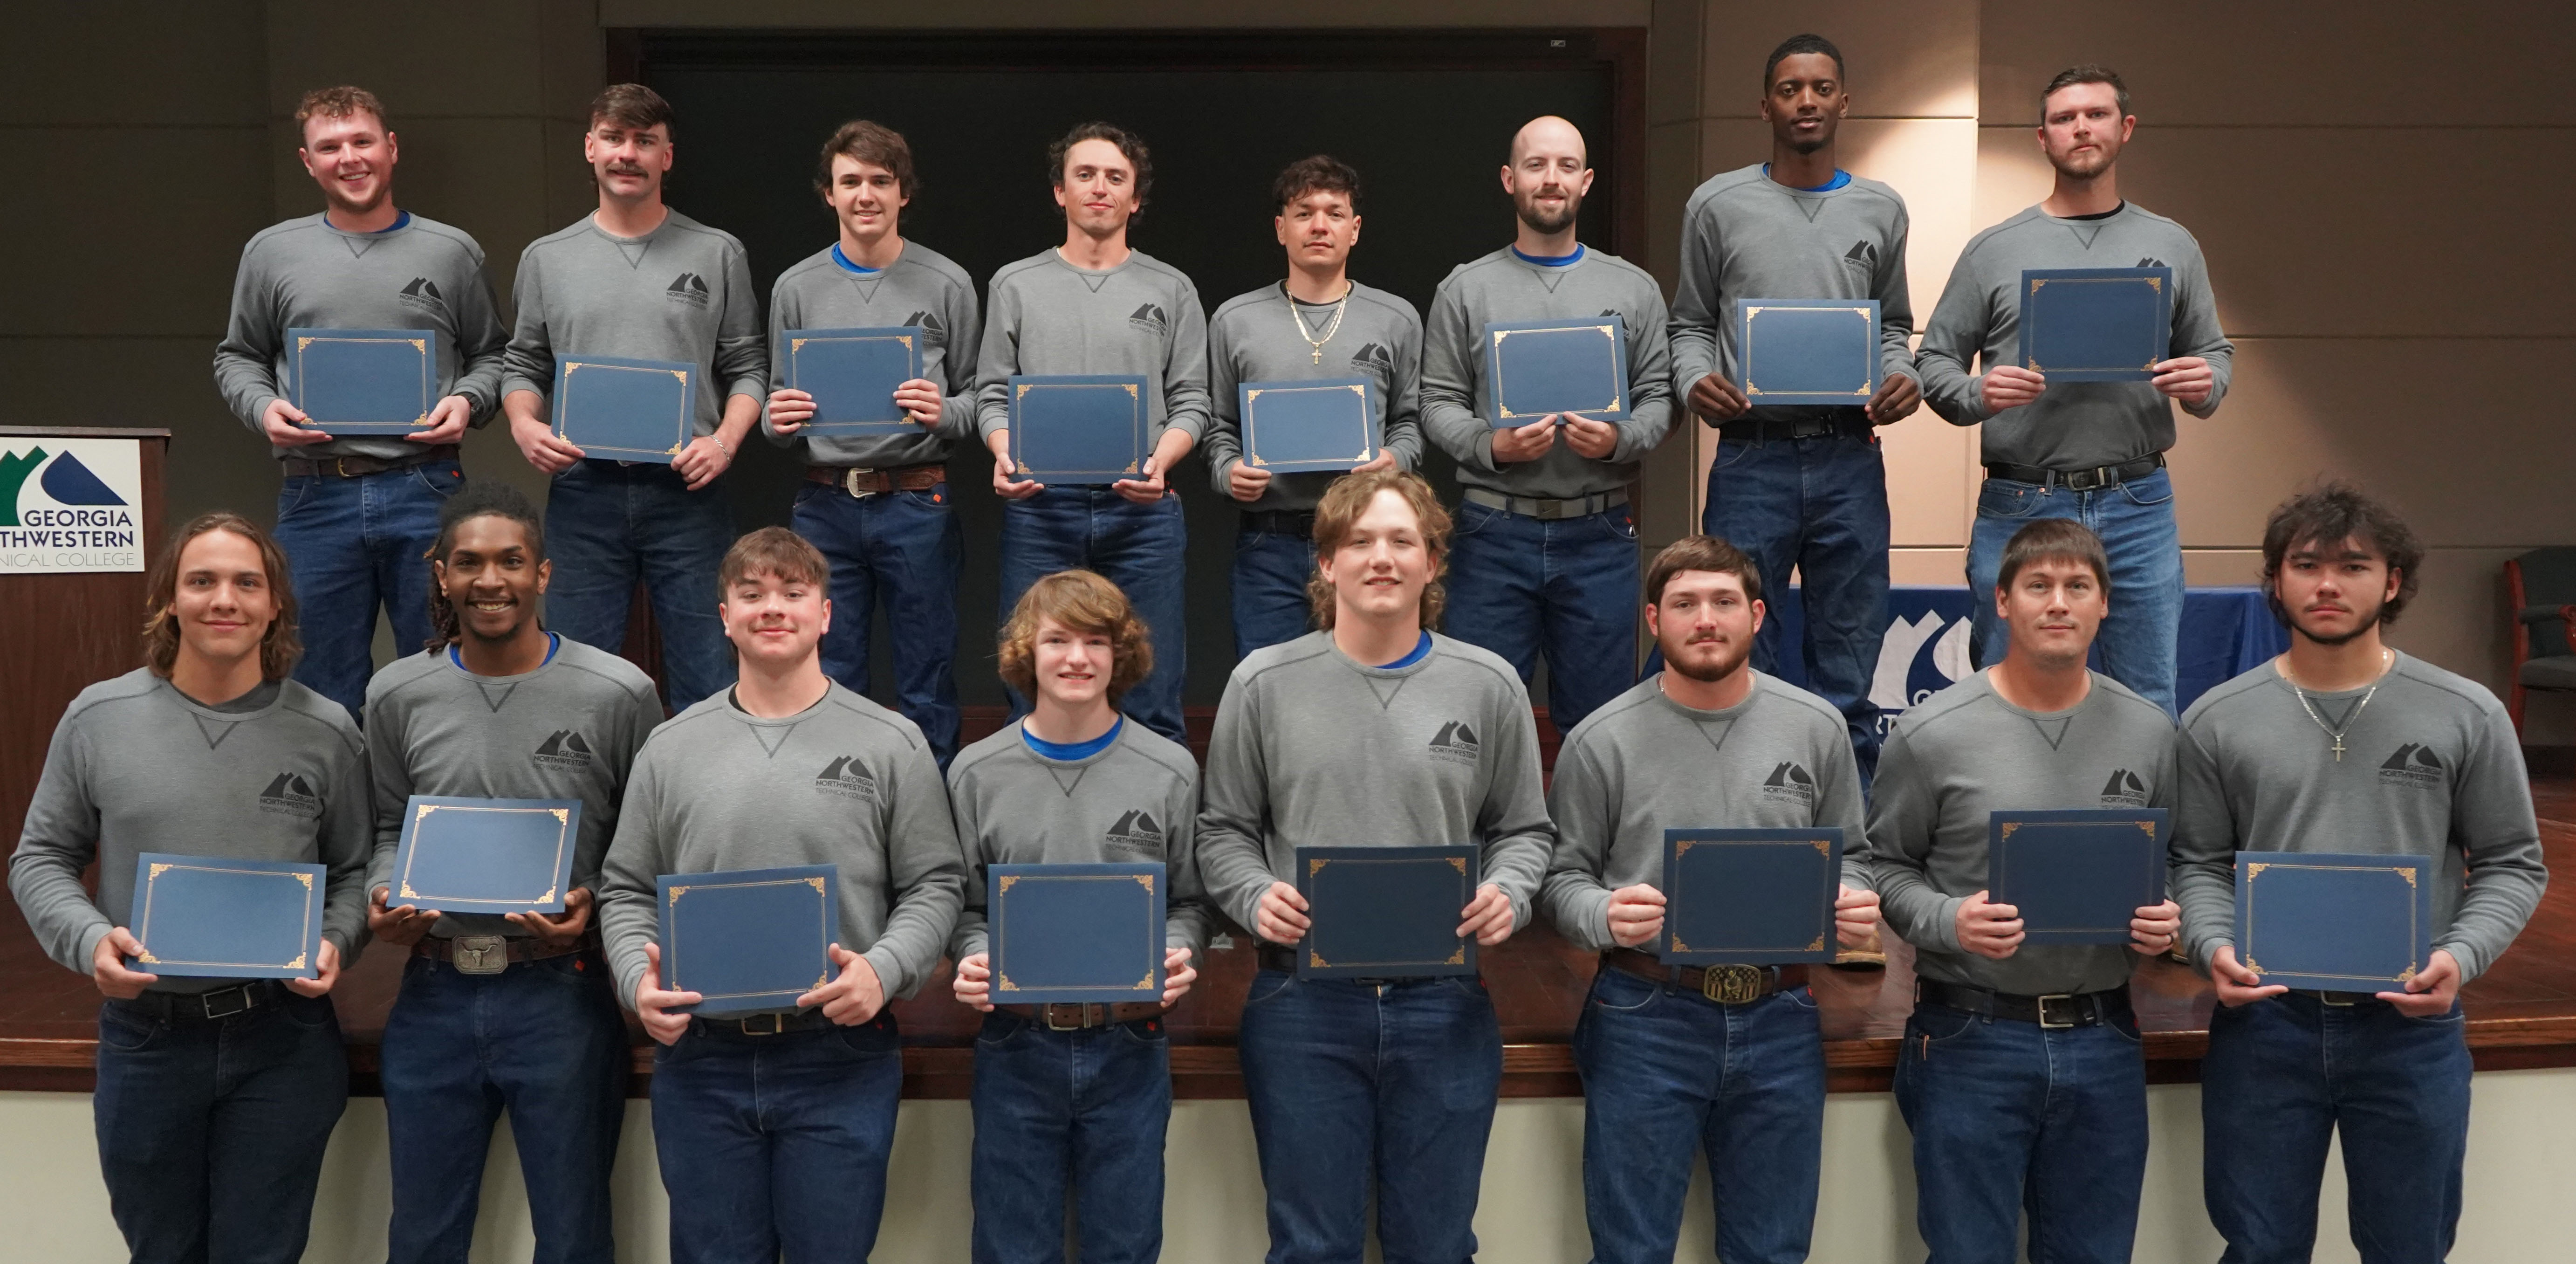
567	730
921	287
1253	338
844	782
1314	750
680	292
1780	759
2432	768
137	766
1965	754
1043	315
1746	236
1503	286
1136	802
305	274
2072	425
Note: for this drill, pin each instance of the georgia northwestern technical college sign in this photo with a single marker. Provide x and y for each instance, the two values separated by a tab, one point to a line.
69	506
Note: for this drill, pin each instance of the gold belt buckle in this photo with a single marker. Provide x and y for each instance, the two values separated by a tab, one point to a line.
1731	985
777	1024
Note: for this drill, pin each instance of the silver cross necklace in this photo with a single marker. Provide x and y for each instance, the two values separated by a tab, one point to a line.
2387	658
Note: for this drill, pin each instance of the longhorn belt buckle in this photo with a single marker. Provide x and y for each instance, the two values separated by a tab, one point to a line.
1731	985
479	954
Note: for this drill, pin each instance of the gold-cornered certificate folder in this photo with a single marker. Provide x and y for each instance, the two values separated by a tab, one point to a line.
460	855
852	375
626	410
1075	934
2334	921
1079	428
1534	368
1326	425
218	917
363	381
749	941
1386	912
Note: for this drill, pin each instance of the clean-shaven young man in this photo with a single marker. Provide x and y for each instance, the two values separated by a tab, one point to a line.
1801	488
1371	730
2021	1074
1319	323
514	1012
215	1096
639	280
878	505
1074	1097
355	514
1725	1060
2093	452
773	1129
1098	305
1546	563
2344	744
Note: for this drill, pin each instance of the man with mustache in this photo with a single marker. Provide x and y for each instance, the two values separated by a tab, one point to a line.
1546	551
355	514
636	279
1802	488
2021	1074
2091	451
1726	1059
2343	744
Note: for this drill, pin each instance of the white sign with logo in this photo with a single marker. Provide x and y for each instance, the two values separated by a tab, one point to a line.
70	506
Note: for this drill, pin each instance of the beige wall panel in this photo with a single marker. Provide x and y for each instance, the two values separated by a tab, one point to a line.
1930	486
2458	618
1905	60
2301	62
459	57
128	64
115	262
2221	568
1927	566
1077	14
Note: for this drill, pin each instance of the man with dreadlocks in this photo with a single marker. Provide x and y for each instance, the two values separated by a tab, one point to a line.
520	1009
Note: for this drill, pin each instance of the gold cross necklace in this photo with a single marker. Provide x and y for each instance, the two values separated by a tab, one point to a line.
1331	327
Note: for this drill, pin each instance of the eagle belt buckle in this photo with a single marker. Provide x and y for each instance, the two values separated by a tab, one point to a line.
479	954
1731	985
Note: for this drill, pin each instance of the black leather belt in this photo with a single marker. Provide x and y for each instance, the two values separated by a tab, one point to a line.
2094	479
2340	1000
362	466
1545	509
2056	1011
767	1024
224	1002
1079	1017
1726	985
1297	522
1817	424
492	954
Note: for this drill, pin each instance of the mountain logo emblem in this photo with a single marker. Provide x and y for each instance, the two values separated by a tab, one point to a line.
1789	783
1864	255
65	480
927	320
847	778
1150	317
2415	764
2124	789
565	749
422	293
1455	741
1136	830
688	287
1374	356
2152	262
289	794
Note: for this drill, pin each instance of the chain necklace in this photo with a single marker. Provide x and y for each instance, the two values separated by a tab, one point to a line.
2387	658
1331	327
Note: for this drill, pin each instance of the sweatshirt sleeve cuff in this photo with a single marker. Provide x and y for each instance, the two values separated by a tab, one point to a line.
894	978
89	943
1945	923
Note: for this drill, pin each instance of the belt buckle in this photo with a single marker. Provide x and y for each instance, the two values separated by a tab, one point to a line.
1731	985
2046	1025
850	481
478	954
2328	998
2092	480
240	993
1081	1013
777	1024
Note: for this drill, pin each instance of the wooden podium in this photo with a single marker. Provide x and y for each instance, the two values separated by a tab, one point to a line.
59	634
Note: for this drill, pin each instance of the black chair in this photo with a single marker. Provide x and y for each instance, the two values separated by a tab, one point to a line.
2540	586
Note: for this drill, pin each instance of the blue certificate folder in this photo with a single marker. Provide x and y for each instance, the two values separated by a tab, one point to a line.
2096	324
234	919
1750	896
2336	922
1075	933
2078	875
363	381
1807	351
625	410
1329	424
1386	912
852	373
1078	428
749	941
1537	367
492	856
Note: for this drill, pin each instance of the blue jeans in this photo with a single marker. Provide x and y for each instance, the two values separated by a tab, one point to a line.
1666	1072
1085	1109
1141	548
1270	574
2283	1076
1566	589
352	545
1349	1081
1819	506
608	525
776	1143
905	545
211	1131
2137	643
2009	1117
543	1039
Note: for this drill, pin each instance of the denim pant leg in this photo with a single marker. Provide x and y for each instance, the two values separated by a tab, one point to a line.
402	528
828	1103
1440	1069
833	522
321	526
2267	1117
2091	1159
714	1153
1310	1076
1590	636
1650	1063
1497	585
559	1059
1754	503
1974	1092
2141	638
1043	534
680	541
1765	1135
1122	1117
153	1109
1843	580
596	564
439	1109
2402	1104
1023	1149
1144	549
1269	591
918	550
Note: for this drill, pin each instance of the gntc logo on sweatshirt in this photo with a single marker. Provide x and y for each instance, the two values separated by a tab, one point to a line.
1456	743
1863	258
422	294
2414	764
1790	783
847	778
688	288
2125	789
563	750
1151	318
289	794
1135	830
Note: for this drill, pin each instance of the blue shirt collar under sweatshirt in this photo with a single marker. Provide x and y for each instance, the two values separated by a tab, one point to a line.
1071	752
